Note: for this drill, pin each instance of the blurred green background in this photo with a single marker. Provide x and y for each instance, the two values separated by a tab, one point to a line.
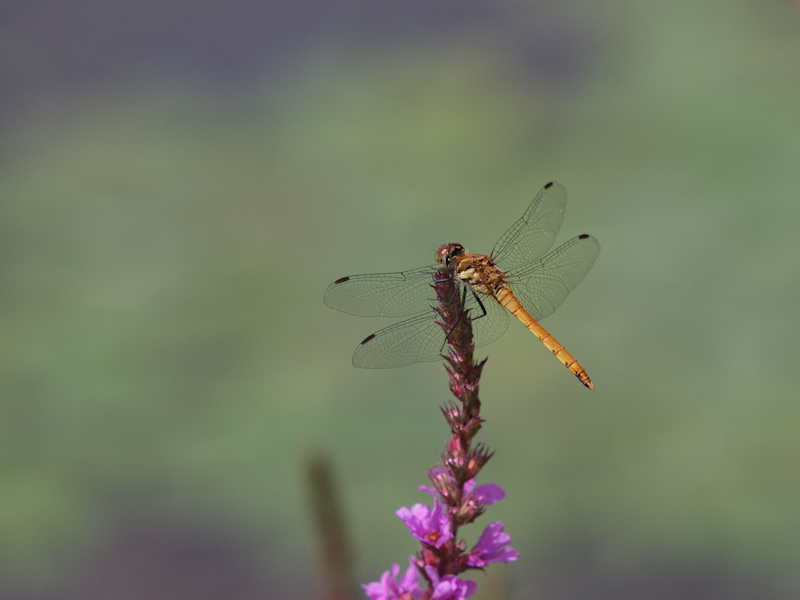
181	181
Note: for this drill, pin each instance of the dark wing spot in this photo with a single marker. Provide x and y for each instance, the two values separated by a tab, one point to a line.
342	280
369	337
548	185
583	236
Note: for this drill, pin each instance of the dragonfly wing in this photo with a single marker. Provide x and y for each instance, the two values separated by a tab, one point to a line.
383	294
542	285
418	339
487	327
534	234
422	339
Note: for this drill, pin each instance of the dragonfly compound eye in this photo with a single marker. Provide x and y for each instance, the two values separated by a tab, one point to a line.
443	255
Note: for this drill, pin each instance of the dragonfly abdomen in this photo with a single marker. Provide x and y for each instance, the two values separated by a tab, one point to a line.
507	299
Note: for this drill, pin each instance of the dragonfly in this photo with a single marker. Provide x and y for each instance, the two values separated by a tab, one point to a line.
521	277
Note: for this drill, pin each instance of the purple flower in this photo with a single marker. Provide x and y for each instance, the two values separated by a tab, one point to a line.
388	589
449	587
437	474
486	494
493	546
429	526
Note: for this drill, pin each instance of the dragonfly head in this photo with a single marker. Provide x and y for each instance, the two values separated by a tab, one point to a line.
448	253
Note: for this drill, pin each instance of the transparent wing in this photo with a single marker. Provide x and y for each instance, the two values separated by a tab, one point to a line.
383	294
486	328
534	234
418	339
421	338
542	285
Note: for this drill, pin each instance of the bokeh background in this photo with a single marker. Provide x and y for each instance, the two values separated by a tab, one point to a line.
180	181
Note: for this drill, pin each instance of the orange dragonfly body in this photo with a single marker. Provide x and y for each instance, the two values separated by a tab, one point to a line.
519	277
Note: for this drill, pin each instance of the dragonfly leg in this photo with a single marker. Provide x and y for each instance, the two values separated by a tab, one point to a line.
478	300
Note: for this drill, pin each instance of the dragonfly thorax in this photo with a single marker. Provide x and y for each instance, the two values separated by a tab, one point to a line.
481	273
